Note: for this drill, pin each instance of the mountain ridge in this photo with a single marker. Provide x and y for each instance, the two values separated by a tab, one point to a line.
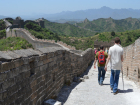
103	12
90	28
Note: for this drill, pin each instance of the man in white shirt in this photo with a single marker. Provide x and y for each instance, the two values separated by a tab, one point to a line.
115	56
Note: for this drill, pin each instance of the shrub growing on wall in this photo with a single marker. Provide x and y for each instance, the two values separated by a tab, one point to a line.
41	33
2	33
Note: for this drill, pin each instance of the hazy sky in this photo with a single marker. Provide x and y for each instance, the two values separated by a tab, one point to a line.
29	7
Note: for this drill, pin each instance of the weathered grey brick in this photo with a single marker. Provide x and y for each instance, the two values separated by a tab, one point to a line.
5	94
38	63
26	102
6	66
33	83
3	76
19	100
18	62
19	77
36	58
43	67
50	55
8	83
47	60
1	102
42	57
51	64
1	98
12	89
31	59
25	60
37	69
26	74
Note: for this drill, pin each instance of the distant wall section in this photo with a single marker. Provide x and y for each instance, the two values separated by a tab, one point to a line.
37	43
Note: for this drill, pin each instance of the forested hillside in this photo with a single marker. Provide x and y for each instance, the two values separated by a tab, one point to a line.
127	38
90	28
67	29
109	24
82	43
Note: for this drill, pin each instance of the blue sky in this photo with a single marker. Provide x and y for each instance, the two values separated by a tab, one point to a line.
29	7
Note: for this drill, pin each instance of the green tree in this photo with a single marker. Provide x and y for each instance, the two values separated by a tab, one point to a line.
112	33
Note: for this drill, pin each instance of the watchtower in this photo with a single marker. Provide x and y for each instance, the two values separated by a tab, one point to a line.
18	23
40	22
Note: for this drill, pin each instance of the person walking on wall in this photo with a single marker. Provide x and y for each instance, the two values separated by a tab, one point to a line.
101	57
115	56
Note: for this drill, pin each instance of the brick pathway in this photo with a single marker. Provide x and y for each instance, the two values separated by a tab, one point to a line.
90	93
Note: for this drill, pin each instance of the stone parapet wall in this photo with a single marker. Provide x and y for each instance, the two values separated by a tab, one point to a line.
37	43
97	44
131	64
28	77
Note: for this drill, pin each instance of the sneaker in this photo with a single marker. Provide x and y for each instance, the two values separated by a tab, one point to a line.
116	92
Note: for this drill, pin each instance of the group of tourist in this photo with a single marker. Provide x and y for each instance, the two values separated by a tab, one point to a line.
115	56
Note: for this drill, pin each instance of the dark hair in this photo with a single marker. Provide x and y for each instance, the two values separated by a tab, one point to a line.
101	47
117	40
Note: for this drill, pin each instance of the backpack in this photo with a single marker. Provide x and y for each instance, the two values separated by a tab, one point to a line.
95	51
101	58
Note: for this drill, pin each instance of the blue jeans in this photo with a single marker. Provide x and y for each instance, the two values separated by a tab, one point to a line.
114	79
101	74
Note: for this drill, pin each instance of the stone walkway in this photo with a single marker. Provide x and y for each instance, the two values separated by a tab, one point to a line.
90	93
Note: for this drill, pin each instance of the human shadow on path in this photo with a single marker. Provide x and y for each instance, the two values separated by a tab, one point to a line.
106	84
125	91
66	90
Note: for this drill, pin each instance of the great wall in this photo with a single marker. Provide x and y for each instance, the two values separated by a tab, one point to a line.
37	43
28	77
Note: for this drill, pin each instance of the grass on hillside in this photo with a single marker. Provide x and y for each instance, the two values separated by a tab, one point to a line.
14	43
